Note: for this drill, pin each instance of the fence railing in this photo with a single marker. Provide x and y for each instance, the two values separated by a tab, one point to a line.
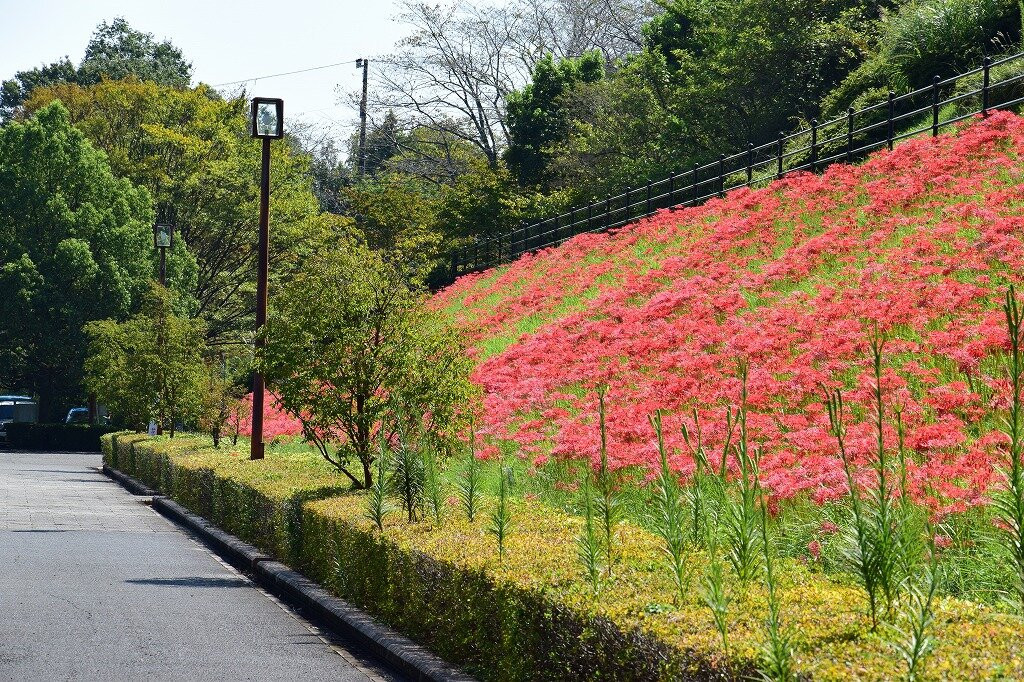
842	139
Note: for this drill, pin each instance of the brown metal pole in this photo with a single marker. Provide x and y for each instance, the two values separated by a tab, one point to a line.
163	266
263	267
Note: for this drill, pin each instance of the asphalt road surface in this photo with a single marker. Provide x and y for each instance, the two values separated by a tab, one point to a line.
95	585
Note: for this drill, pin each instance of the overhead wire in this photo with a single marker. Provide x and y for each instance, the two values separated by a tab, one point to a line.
286	73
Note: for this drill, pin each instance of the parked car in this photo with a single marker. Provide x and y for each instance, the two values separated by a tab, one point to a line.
16	408
77	415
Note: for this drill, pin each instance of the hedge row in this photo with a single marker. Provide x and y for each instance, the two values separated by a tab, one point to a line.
532	616
56	437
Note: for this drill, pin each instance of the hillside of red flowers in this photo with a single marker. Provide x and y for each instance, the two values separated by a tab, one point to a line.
922	242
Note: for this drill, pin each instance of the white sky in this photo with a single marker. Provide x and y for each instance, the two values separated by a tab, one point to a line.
225	41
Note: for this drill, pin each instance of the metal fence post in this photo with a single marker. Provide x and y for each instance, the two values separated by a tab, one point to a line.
628	190
782	140
986	66
557	227
935	106
590	214
696	185
849	135
892	109
607	210
648	197
814	145
721	175
671	188
750	163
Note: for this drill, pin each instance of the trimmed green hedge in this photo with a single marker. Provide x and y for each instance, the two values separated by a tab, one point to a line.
494	630
57	437
532	616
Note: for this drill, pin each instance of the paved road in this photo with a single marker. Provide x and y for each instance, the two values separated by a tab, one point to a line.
95	585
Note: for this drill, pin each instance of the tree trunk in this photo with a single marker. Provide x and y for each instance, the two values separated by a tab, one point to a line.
367	472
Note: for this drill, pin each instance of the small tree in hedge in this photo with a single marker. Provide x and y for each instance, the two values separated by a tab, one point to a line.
222	407
149	367
351	348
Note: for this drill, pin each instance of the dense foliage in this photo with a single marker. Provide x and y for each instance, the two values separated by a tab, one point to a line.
192	150
615	94
75	246
150	367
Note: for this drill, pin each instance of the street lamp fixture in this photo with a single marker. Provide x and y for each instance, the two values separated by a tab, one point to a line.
267	118
163	236
163	239
267	124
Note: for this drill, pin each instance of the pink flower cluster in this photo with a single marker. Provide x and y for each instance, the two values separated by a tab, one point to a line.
276	422
921	241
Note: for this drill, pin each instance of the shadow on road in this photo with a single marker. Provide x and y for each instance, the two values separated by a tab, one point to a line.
191	582
39	530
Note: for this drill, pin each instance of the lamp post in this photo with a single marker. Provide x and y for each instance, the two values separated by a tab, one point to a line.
267	125
163	239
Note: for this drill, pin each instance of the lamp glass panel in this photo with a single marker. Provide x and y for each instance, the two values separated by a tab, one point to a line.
163	238
267	123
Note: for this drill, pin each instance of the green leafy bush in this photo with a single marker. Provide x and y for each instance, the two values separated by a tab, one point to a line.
926	38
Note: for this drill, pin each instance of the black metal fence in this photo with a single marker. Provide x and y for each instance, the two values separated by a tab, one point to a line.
995	84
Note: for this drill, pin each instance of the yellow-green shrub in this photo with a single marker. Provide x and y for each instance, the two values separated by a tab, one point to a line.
532	616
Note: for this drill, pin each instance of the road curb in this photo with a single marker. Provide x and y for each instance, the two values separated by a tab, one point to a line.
396	650
241	555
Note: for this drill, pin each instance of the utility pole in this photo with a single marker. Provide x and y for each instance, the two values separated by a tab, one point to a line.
362	64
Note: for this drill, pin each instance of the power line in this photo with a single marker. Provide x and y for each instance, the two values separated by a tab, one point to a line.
286	73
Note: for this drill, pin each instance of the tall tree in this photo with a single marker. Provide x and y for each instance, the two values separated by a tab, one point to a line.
536	114
115	51
75	246
193	151
712	77
451	73
460	61
570	28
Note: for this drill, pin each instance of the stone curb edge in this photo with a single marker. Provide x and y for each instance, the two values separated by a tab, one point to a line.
398	651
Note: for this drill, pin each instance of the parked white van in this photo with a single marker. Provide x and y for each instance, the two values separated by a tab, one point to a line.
16	408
